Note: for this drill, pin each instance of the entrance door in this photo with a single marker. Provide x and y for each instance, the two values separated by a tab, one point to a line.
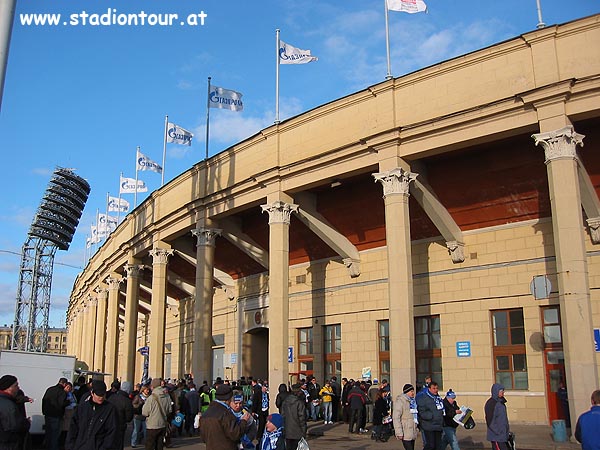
554	364
255	353
218	369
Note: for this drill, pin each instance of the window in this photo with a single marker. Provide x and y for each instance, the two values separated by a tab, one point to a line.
510	359
428	349
333	350
305	351
383	327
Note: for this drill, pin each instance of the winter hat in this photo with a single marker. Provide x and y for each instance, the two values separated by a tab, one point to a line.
99	387
155	382
126	386
407	388
276	419
224	392
450	394
7	381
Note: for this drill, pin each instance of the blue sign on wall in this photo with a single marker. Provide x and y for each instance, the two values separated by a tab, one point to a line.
290	354
463	349
597	339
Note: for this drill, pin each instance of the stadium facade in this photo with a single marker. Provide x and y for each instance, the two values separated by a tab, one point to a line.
442	222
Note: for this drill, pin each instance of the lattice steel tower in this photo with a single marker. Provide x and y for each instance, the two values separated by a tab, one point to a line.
52	229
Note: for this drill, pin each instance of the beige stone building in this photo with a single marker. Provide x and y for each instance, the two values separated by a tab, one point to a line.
57	339
445	222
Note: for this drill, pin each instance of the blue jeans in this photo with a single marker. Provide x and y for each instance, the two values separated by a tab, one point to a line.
314	411
139	431
327	411
450	438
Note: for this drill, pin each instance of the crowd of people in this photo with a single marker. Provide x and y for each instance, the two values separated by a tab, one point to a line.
236	415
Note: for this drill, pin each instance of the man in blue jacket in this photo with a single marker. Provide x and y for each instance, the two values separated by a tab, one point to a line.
430	407
588	424
496	418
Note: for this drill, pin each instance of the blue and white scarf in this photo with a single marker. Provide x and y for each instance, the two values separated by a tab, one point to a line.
413	408
265	401
270	438
439	403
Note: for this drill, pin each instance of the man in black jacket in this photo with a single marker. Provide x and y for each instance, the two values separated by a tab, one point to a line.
95	422
293	410
54	403
122	403
13	423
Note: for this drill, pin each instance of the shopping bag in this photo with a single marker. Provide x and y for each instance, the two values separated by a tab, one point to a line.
177	420
303	445
197	421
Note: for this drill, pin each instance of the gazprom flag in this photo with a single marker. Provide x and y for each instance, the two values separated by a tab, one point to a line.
145	163
408	6
178	135
116	204
225	99
106	223
127	186
288	54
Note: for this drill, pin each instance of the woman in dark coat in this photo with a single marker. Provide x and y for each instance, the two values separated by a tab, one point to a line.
380	410
293	411
281	395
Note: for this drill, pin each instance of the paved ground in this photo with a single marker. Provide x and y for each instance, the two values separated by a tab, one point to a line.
329	437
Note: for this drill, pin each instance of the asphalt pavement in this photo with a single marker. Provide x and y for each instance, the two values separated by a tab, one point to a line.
336	436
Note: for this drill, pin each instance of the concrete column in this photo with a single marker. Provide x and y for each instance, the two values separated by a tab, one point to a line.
400	284
101	296
127	372
77	328
160	257
203	307
89	332
280	214
571	265
112	325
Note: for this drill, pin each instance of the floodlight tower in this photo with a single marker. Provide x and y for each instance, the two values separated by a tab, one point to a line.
52	229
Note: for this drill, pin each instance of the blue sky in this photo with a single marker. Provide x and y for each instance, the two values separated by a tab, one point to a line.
85	97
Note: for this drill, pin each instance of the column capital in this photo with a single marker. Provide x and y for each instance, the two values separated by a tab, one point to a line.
160	255
133	270
279	211
559	144
100	292
113	283
395	181
206	236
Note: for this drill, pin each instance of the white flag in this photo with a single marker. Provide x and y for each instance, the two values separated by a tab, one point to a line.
225	99
116	204
107	223
178	135
95	238
127	186
289	54
145	163
408	6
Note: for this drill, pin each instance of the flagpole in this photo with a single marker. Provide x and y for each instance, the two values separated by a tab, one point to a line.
107	194
277	76
136	177
119	208
387	42
541	23
97	226
162	181
207	118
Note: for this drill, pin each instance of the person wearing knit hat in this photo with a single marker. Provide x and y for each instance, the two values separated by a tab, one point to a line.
219	426
224	392
7	381
13	423
273	438
451	409
236	403
404	416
